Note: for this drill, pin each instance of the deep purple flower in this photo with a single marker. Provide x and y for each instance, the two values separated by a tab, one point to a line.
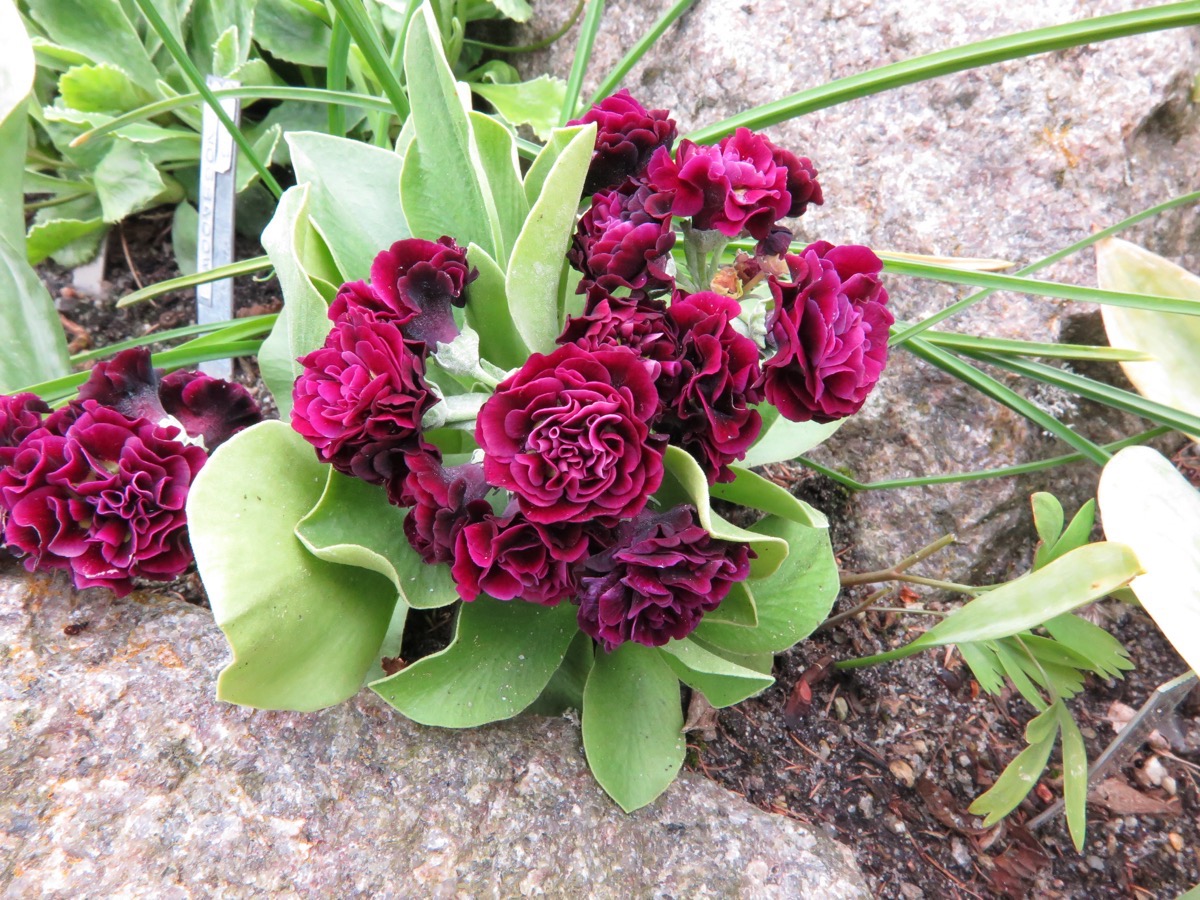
20	414
444	501
830	327
744	183
512	558
361	397
627	134
413	284
104	501
567	434
624	240
208	408
637	322
657	581
707	396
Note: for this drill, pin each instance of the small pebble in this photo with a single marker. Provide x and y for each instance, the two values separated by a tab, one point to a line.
1095	862
1176	841
964	760
841	708
903	772
866	805
911	891
824	750
1170	786
962	856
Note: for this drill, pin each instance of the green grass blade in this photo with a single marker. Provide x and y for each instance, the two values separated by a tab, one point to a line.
353	14
252	325
958	477
335	74
179	54
583	52
244	267
957	59
638	50
1033	286
985	384
1004	347
1091	389
914	330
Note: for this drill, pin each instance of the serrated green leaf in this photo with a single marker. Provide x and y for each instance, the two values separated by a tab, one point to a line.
781	440
49	237
1148	504
722	682
1076	535
981	658
126	181
536	103
100	30
353	524
632	724
1173	376
287	30
532	279
466	685
303	631
66	250
353	197
751	489
225	56
209	20
1017	779
1013	661
100	88
1104	653
487	312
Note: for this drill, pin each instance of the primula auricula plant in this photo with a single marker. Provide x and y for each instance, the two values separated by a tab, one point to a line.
523	403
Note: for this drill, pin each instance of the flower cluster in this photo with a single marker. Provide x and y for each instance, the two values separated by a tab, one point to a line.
98	488
556	504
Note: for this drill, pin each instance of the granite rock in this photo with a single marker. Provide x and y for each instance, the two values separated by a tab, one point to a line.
121	775
1014	160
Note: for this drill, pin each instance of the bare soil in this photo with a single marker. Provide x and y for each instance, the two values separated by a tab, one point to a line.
885	759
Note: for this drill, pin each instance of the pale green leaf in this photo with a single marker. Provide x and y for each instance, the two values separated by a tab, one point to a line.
32	346
1173	376
126	181
487	312
99	29
722	682
1048	520
100	88
517	10
781	440
16	81
538	256
48	237
536	103
502	657
1104	653
565	688
633	724
1075	535
185	228
1146	503
1020	776
1075	776
984	664
751	489
354	524
498	154
287	30
304	632
737	608
353	196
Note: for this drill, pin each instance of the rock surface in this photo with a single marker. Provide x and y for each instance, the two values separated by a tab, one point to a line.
1015	161
120	775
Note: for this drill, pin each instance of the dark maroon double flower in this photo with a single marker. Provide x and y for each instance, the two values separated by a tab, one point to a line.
830	330
99	488
512	558
624	240
627	134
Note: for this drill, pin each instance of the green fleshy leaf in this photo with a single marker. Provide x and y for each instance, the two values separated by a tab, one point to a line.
487	312
442	188
1075	776
1173	376
208	23
792	601
264	150
1020	776
684	482
532	278
100	88
539	169
185	235
226	53
1048	520
501	658
517	10
565	689
32	346
751	489
1075	535
354	524
737	608
49	237
632	724
287	30
498	154
100	30
353	197
536	103
304	632
126	181
303	322
781	440
761	662
722	682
